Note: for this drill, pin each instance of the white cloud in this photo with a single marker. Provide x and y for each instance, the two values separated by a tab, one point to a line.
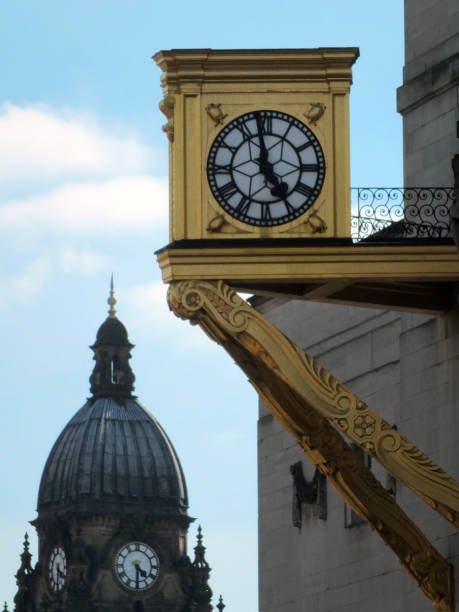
120	204
43	143
28	283
83	260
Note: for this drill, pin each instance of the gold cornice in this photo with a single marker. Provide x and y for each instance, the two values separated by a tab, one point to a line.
417	278
312	405
254	65
291	263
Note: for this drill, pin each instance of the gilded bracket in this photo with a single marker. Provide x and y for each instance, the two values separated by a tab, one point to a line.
166	106
308	401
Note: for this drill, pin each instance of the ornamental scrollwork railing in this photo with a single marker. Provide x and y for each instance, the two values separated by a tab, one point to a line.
400	213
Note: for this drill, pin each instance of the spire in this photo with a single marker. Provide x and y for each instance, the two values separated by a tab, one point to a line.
111	301
200	570
199	551
26	557
220	604
24	577
112	375
5	609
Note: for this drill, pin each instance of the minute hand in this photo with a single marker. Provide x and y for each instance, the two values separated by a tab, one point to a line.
266	168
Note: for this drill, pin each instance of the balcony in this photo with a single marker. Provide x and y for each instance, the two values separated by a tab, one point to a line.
397	214
400	255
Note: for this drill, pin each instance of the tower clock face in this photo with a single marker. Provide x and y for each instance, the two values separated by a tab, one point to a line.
266	168
137	566
57	569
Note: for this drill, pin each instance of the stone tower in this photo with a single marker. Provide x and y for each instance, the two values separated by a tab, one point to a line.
112	506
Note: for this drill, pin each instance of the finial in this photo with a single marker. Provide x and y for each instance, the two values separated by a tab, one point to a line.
5	609
199	551
220	604
111	300
26	568
200	570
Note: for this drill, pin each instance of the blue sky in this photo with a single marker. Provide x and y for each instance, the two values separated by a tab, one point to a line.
83	192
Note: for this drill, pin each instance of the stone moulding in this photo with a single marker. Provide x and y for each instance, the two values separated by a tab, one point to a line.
312	405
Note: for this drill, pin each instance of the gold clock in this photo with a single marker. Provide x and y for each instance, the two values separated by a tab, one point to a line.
266	168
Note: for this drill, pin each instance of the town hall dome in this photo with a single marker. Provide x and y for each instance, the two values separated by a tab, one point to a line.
113	456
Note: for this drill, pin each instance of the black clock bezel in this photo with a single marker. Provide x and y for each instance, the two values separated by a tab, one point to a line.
223	194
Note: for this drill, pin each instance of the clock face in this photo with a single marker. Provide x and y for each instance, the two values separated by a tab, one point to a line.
266	168
57	569
137	566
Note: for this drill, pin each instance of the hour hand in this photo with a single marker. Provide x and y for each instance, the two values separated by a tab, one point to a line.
280	190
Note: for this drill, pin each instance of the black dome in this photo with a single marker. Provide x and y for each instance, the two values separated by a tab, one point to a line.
113	333
113	457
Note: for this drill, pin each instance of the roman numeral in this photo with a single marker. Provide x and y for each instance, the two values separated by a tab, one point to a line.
267	124
228	190
229	147
243	206
309	167
266	213
304	146
244	129
304	189
226	169
289	207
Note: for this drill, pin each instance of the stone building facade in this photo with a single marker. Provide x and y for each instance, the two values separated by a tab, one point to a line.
429	97
315	555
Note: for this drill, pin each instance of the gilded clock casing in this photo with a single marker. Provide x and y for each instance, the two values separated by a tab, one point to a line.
204	90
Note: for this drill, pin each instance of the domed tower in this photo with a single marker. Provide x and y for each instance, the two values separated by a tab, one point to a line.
112	505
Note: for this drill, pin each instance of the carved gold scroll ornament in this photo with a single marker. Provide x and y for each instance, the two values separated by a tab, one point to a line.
308	401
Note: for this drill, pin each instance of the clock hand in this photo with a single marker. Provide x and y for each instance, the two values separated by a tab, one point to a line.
59	572
266	168
138	571
263	150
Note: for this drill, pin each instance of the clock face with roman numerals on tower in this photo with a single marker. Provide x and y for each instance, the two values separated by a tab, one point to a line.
266	168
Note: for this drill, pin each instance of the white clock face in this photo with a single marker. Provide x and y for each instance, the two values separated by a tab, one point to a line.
137	566
266	168
57	569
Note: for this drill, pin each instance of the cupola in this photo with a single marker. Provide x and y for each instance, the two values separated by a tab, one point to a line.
113	456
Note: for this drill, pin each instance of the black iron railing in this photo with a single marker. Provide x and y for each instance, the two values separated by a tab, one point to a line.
400	213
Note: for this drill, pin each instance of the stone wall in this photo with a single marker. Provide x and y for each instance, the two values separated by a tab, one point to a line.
429	97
